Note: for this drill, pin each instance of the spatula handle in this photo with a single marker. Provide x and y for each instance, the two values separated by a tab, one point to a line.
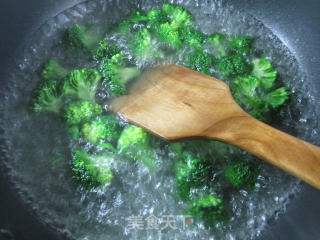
291	154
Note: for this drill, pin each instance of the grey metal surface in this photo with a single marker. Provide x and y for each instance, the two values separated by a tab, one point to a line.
295	22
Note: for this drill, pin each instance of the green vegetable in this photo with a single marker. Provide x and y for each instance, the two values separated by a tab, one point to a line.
219	44
142	46
101	129
52	70
116	75
231	66
106	51
192	36
137	16
82	84
92	171
242	174
169	35
241	44
78	112
249	93
74	132
277	97
134	142
157	17
209	209
47	97
263	70
81	38
192	173
127	25
199	61
178	16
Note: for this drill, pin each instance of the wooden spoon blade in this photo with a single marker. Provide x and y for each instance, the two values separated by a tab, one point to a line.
174	102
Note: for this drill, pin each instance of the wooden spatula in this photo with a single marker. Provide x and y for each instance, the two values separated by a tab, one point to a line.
174	102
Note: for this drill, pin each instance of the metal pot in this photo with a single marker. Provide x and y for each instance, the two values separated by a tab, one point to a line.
295	22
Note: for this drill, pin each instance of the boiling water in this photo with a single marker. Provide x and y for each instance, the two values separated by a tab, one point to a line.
37	148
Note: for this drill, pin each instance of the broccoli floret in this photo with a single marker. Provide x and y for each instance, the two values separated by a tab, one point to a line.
219	44
246	91
132	135
82	84
78	112
142	46
101	129
108	146
192	36
48	97
106	51
52	70
81	38
170	36
192	173
199	61
179	17
157	17
231	66
116	75
209	209
91	171
241	44
74	132
242	174
262	69
125	26
134	143
277	97
137	16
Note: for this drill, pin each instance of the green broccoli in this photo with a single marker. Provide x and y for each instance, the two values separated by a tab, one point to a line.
137	16
125	26
246	91
178	16
78	112
52	70
209	209
277	97
92	171
192	36
168	35
101	129
241	44
134	143
106	51
132	135
48	97
192	173
116	75
219	44
262	69
242	174
74	132
81	38
82	84
142	46
199	61
231	66
156	17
